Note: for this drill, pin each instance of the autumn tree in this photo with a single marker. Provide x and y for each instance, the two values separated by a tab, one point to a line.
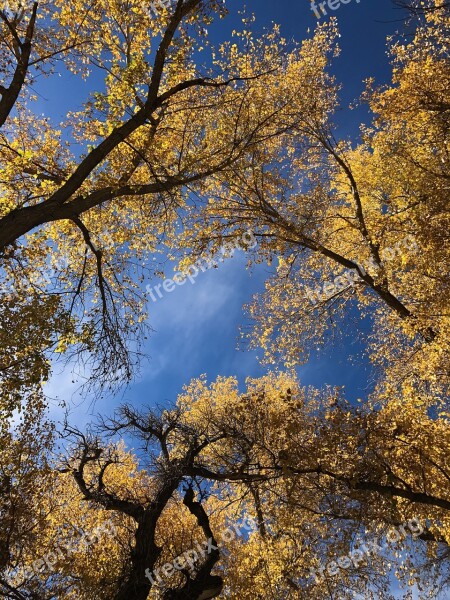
85	203
316	472
355	228
312	472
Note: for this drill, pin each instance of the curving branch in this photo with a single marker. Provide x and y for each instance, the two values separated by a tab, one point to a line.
203	585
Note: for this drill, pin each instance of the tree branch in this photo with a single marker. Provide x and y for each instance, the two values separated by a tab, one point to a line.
10	95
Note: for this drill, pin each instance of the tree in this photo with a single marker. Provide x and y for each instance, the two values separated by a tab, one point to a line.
351	229
119	174
309	469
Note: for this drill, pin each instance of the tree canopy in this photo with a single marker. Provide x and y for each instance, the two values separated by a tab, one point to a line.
278	490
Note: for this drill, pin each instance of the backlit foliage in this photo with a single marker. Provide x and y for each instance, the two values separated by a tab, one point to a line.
183	146
377	210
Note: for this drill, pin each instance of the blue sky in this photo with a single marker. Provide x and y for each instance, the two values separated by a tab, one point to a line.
196	327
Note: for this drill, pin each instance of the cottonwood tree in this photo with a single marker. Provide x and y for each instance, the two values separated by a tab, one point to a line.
356	228
101	481
316	472
85	202
311	470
